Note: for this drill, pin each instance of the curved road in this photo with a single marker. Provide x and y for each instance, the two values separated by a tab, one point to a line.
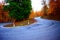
43	29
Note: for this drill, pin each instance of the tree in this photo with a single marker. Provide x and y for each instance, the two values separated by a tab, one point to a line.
45	7
54	9
55	6
18	9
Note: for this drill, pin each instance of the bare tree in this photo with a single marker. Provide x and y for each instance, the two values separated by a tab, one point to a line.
45	8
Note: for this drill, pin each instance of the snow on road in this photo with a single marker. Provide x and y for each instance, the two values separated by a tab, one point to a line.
43	29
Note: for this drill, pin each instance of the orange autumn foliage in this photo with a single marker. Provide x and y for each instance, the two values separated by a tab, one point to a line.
32	14
4	17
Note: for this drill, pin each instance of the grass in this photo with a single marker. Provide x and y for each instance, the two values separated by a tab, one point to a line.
22	23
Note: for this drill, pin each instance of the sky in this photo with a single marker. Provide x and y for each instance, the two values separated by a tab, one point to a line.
1	1
36	4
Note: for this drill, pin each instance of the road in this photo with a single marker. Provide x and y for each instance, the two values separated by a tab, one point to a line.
43	29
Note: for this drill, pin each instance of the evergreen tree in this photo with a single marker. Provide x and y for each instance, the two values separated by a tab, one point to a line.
18	9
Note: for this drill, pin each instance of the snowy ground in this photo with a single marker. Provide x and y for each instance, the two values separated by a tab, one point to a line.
43	29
